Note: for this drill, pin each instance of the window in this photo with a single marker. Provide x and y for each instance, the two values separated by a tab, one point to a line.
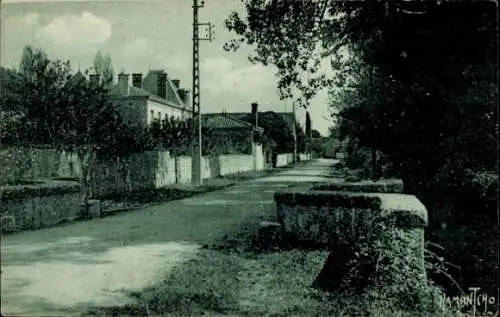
152	116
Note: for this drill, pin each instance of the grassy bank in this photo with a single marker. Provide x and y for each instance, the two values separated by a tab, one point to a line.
229	277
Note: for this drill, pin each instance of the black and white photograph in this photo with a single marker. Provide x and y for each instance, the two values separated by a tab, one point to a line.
242	158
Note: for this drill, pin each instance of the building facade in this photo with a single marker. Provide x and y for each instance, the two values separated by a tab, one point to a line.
141	100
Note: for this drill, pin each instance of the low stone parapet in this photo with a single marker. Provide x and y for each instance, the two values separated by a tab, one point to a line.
358	228
44	203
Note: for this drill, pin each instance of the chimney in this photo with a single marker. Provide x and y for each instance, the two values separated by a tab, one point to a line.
176	83
187	98
162	85
156	83
94	79
255	118
184	94
123	83
137	80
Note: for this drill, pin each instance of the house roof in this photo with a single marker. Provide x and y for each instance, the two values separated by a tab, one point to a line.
114	92
77	77
288	117
224	121
172	95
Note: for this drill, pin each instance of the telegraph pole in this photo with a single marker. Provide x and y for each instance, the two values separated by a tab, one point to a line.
196	157
294	134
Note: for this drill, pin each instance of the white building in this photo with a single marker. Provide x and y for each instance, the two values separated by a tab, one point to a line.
153	97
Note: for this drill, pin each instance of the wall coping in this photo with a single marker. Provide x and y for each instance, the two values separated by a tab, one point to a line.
42	187
366	186
407	210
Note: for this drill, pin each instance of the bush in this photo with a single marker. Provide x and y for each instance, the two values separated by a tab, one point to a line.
484	184
395	284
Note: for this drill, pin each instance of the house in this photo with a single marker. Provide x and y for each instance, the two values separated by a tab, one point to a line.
141	100
225	134
279	129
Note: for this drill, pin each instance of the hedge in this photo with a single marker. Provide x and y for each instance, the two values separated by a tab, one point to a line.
39	188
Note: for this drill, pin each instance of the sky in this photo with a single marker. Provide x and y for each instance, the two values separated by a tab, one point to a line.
141	35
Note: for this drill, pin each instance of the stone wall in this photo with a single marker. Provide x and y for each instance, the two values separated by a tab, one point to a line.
151	169
284	159
40	205
184	169
305	157
134	173
232	164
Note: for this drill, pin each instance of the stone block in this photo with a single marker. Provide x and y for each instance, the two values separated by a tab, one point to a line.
94	208
7	223
91	210
360	222
269	235
39	205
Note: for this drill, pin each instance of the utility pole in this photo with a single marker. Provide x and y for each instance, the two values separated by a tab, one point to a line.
294	134
196	157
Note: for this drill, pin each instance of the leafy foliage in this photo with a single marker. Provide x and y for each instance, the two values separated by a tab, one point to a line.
277	133
170	134
55	107
176	136
418	84
390	94
308	124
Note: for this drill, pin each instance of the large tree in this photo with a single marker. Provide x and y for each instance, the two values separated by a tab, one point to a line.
276	131
419	85
66	111
391	88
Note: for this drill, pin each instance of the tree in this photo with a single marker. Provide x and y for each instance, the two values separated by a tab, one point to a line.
36	91
390	84
391	95
276	130
31	59
70	113
315	134
9	100
104	68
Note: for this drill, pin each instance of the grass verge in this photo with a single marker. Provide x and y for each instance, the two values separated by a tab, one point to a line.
231	278
164	194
